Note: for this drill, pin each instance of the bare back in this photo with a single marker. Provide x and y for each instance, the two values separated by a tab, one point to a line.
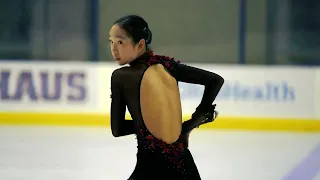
161	104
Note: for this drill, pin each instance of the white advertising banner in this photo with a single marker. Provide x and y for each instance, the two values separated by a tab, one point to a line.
317	94
257	91
48	87
251	91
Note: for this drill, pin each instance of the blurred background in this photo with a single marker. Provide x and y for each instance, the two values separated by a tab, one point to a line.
221	32
270	32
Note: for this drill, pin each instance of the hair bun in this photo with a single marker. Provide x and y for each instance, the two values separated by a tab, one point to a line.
149	36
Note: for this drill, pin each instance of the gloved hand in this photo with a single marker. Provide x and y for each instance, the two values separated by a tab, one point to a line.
205	116
201	116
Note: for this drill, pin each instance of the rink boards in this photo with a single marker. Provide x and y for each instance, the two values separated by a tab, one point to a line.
78	94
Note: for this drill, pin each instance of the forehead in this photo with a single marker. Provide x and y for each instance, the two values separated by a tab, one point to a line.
117	32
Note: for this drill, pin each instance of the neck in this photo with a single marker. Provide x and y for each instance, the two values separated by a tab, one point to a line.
142	56
141	53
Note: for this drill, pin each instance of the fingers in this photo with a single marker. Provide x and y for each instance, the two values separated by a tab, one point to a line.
212	108
215	114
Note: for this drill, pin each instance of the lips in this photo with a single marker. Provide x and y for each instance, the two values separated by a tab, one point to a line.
116	57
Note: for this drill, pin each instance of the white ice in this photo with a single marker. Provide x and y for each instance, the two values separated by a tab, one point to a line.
55	153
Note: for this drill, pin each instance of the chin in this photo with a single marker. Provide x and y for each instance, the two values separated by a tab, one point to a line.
121	63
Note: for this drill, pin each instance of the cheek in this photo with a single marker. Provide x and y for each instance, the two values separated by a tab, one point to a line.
128	51
127	54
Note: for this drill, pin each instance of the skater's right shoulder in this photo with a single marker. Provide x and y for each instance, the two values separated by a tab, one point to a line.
119	71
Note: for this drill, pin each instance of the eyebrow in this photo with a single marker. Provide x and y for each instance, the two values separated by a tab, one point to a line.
121	37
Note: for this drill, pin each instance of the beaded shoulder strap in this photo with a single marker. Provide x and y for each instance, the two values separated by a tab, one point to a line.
168	62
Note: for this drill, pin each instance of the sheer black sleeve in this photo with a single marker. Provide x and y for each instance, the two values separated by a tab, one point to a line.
119	126
212	82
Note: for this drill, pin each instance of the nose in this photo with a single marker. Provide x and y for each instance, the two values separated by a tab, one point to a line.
114	47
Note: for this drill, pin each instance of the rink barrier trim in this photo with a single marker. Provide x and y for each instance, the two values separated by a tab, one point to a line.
103	120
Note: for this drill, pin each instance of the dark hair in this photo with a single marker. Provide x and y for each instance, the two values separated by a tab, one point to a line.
136	27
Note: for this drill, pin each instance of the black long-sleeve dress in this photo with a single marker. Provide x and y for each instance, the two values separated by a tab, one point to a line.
155	158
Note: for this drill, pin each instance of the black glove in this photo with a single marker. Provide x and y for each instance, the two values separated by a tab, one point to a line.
203	116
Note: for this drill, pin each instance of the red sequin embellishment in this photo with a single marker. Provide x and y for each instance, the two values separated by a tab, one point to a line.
166	61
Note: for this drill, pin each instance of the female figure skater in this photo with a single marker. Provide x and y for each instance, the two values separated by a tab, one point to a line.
149	88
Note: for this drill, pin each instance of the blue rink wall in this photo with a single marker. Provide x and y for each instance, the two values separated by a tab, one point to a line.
78	94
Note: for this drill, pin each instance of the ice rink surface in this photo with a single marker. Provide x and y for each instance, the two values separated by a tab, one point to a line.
52	153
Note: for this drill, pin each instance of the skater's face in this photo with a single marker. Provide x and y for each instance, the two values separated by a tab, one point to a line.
123	49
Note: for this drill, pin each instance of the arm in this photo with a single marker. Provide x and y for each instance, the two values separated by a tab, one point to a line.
212	82
119	126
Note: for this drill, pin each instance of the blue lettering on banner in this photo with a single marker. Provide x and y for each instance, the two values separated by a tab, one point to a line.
39	86
237	91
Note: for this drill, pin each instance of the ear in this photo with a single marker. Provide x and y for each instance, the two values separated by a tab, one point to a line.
141	45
